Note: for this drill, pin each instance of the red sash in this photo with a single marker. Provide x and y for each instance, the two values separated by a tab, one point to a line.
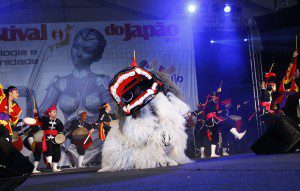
267	105
213	115
47	132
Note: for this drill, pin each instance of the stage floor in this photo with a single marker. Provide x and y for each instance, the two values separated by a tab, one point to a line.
239	172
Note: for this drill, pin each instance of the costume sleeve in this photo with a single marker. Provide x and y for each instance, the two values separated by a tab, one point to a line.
14	115
113	116
88	126
60	127
2	95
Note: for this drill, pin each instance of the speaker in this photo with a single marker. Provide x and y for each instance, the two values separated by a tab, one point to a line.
14	167
281	137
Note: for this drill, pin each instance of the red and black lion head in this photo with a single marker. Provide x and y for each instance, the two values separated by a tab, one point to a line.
133	87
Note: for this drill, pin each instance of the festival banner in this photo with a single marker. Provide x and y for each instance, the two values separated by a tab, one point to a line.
71	64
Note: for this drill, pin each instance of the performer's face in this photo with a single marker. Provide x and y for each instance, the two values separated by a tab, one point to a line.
83	116
215	98
228	105
84	49
108	109
273	88
14	94
53	114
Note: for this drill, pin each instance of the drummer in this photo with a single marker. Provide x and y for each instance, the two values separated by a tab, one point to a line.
105	117
78	123
9	111
51	126
36	147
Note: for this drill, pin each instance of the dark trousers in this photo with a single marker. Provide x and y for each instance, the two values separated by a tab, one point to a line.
5	133
214	131
80	150
53	150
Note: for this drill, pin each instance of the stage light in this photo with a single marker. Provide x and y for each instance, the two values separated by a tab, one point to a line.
245	40
227	8
192	8
212	41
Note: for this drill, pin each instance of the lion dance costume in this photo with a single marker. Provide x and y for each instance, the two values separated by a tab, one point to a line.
151	129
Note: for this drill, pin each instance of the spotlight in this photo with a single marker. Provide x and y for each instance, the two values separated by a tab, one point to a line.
245	40
227	8
192	8
212	41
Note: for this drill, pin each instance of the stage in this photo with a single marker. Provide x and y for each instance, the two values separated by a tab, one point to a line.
239	172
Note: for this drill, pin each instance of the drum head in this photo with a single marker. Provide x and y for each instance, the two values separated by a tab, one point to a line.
29	121
38	136
235	117
60	138
79	133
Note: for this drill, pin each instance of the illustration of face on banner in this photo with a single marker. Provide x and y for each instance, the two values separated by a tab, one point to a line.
71	64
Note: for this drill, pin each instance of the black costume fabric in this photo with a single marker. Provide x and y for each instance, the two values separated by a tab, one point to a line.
105	118
73	126
37	146
53	149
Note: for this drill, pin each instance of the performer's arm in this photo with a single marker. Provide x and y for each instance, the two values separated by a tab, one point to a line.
2	95
60	127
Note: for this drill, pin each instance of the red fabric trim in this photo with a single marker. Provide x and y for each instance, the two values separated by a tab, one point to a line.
213	115
47	132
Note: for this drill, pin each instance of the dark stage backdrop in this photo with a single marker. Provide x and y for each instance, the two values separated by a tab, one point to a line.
278	31
227	59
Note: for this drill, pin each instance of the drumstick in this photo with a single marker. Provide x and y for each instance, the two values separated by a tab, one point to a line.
271	67
90	132
221	84
34	104
87	138
296	42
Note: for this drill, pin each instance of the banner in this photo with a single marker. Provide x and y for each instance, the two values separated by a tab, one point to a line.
71	64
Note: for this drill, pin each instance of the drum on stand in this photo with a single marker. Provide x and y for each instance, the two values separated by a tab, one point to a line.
79	136
238	121
29	121
60	138
38	136
17	141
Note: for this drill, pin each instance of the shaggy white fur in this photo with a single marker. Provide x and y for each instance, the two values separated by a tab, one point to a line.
156	138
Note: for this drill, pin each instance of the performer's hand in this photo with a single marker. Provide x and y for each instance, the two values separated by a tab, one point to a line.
219	90
92	130
263	85
238	107
295	53
246	102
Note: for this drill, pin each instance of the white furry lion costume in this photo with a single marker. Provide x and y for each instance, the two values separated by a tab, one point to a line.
151	131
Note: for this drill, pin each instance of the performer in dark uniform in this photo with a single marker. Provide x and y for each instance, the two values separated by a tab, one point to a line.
33	146
215	122
9	111
51	126
266	97
78	123
212	120
231	118
105	117
200	130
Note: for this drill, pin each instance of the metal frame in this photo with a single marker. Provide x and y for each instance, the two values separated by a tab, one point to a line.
255	47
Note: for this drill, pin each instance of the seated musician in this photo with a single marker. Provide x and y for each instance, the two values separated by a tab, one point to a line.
80	122
105	117
51	126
